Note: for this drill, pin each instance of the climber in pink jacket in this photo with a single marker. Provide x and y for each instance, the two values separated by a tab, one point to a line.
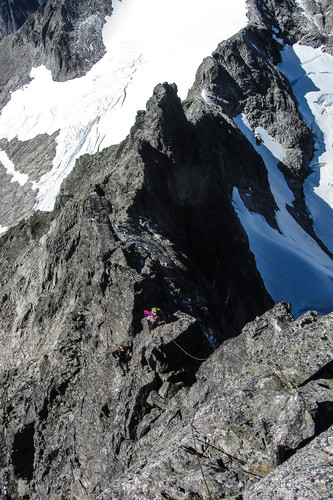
154	317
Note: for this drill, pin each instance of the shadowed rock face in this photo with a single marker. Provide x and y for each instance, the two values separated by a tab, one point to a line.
14	13
150	223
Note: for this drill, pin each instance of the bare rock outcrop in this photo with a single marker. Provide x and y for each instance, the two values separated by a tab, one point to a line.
256	409
308	473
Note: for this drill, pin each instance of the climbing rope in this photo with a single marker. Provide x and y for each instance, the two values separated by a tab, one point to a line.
197	454
192	430
187	353
202	359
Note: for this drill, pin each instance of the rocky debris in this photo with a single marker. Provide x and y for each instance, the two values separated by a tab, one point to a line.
256	401
308	473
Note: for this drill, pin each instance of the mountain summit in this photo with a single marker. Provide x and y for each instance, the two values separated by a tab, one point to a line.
142	167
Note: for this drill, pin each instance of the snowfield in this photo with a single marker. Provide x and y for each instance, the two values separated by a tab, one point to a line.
292	265
310	72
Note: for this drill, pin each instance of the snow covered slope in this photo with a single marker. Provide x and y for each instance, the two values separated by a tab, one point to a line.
291	263
310	72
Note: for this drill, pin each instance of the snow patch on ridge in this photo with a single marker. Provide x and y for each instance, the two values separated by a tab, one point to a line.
145	45
291	263
206	98
10	169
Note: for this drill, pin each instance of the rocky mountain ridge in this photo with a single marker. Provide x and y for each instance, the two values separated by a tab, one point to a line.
233	385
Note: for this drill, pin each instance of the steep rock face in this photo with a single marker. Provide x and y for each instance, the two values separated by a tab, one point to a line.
67	36
14	13
306	21
75	282
180	178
